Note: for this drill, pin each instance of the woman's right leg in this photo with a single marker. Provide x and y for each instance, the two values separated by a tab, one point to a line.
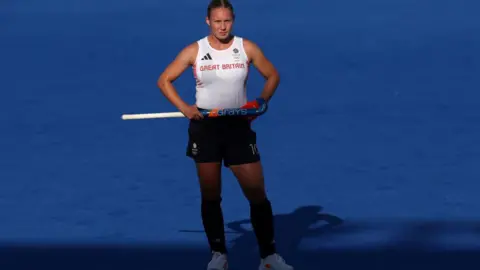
209	175
205	149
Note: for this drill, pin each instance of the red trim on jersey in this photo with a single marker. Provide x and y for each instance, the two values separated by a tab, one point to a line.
194	67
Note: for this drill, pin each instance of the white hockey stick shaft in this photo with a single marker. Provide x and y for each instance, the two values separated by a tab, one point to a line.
152	115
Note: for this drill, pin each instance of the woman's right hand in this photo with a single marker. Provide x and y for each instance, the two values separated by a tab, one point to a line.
192	112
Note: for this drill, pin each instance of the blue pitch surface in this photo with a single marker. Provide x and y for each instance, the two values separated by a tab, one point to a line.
371	146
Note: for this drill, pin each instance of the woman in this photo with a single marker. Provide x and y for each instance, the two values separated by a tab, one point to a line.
220	63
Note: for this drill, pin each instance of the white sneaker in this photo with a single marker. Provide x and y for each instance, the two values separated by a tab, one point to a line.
274	262
218	262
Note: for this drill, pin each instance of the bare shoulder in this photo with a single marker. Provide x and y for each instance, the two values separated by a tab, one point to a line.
250	46
192	47
258	59
185	58
189	53
253	51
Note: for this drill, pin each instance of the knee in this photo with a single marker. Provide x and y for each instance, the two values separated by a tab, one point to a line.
255	194
209	177
210	193
211	197
210	188
254	191
208	203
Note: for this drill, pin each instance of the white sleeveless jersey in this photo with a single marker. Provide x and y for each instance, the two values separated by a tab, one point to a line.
221	75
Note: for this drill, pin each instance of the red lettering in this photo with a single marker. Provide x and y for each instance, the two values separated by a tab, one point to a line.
223	66
209	67
233	66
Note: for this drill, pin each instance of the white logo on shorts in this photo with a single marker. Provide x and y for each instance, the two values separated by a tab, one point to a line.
194	149
253	147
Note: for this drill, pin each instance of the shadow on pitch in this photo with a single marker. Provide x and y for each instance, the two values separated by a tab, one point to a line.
305	222
290	229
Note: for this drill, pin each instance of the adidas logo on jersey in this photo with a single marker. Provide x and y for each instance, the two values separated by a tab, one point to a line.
207	57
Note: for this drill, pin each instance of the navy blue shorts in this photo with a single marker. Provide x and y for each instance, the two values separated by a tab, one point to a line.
227	139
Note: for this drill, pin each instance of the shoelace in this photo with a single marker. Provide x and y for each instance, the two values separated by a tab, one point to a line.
279	258
216	255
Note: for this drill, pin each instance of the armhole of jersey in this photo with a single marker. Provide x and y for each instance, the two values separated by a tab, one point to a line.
241	41
195	63
198	52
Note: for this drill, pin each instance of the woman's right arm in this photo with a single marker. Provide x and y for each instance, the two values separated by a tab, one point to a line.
182	61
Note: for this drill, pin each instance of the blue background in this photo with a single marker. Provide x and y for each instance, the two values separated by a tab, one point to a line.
371	145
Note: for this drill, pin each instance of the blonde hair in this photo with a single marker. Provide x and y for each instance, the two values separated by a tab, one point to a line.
219	4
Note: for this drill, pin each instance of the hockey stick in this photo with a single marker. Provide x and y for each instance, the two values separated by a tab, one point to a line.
206	113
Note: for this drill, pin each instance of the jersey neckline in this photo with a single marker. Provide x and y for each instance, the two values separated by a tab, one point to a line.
226	49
